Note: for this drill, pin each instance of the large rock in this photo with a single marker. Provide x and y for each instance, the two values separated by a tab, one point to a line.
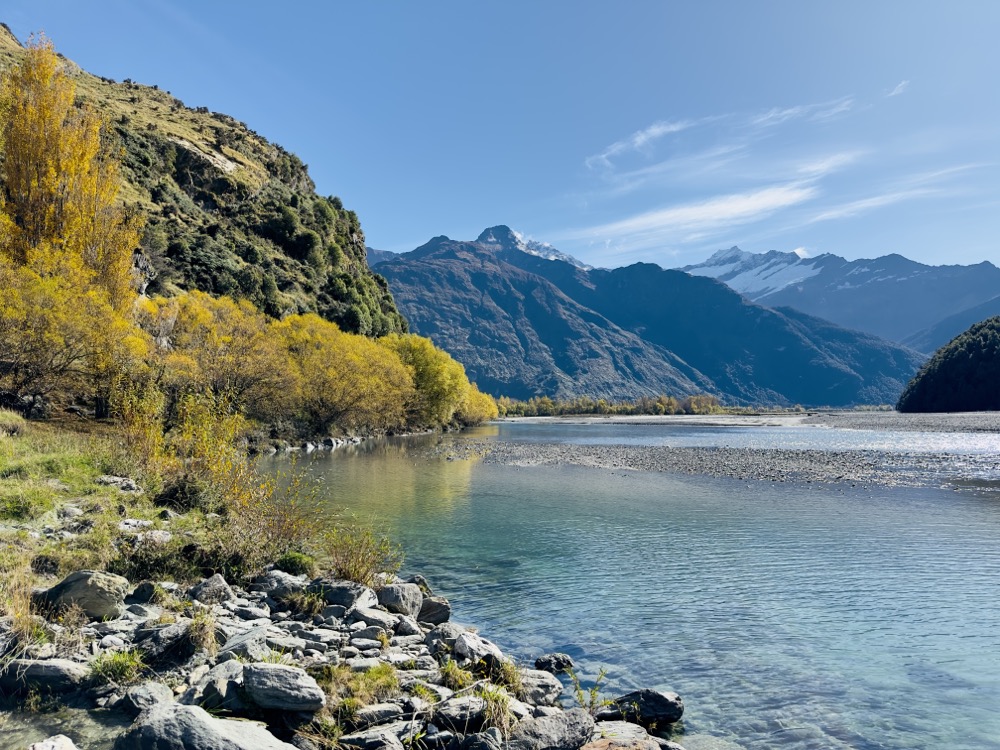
568	730
465	714
554	663
278	584
378	738
219	689
345	593
100	595
540	688
622	735
212	590
441	640
18	676
491	739
139	698
370	617
434	610
474	648
401	598
57	742
251	645
645	707
166	643
282	687
174	726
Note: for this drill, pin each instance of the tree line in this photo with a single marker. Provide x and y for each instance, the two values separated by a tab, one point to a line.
543	406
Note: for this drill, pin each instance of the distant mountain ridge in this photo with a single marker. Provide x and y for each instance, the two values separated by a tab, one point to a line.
525	325
890	296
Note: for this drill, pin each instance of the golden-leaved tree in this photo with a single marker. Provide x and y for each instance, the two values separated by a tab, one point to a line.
65	240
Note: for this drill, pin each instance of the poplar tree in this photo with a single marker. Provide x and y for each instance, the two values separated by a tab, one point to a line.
59	209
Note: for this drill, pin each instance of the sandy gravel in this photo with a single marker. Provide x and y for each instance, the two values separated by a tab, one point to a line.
860	467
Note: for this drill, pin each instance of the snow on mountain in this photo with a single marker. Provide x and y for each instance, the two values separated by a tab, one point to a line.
890	296
755	275
507	238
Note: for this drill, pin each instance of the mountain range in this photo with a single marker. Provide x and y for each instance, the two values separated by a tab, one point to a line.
529	323
899	299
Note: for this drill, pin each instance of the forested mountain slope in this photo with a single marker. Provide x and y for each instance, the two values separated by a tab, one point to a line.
229	212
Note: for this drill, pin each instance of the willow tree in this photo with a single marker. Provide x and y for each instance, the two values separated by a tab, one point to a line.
59	200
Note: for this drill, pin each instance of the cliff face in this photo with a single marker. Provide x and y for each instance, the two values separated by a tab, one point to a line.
231	213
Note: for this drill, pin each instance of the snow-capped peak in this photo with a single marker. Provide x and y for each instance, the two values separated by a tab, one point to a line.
508	239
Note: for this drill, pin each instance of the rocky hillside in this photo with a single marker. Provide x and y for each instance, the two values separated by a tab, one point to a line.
961	376
231	213
526	325
891	296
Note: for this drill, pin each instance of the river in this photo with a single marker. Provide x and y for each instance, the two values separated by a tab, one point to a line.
787	614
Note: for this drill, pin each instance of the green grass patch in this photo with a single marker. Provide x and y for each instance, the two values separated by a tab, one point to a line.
118	667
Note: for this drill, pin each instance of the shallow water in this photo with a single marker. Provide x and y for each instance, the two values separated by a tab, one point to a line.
787	616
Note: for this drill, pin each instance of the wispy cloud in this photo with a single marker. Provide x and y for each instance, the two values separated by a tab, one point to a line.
900	88
854	208
689	221
637	141
828	164
816	111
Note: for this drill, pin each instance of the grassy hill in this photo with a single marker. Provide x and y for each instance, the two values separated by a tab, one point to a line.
228	212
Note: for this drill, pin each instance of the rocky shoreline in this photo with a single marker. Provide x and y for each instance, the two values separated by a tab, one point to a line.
307	663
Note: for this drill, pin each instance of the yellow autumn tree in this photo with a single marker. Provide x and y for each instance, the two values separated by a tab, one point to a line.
342	379
218	345
59	209
441	384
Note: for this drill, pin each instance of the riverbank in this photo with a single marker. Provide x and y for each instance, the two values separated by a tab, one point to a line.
113	633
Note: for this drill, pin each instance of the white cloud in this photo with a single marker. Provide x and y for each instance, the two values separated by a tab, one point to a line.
691	221
900	88
801	252
637	141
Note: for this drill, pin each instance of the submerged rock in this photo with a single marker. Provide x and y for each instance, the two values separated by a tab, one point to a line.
554	663
645	707
58	742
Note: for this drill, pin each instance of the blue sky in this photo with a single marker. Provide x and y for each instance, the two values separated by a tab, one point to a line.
619	132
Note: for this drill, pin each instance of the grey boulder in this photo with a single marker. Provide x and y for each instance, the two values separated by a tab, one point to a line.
212	590
540	688
174	726
401	598
219	688
475	648
100	595
379	738
278	584
282	687
18	676
568	730
464	714
251	645
138	698
434	610
345	593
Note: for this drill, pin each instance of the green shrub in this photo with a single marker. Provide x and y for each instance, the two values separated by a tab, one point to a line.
454	677
296	563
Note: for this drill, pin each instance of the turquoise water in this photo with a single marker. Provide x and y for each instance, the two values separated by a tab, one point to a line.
787	616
